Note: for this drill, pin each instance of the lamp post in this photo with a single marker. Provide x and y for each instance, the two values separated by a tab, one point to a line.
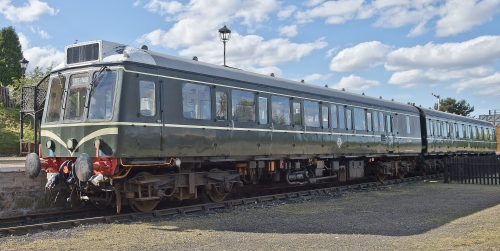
24	64
438	97
224	35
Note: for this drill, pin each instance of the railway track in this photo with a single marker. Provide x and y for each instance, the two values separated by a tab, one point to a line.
19	225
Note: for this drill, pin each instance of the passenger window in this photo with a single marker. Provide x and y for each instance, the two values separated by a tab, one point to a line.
369	121
311	113
297	118
77	94
408	127
375	121
359	119
55	99
348	116
388	123
262	110
196	101
243	106
333	116
280	110
460	131
438	129
381	120
221	105
341	117
324	116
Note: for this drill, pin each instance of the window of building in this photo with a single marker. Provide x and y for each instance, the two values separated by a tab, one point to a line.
77	94
297	116
348	118
262	110
324	116
57	87
333	116
311	113
243	106
103	96
221	105
359	119
280	110
341	111
196	101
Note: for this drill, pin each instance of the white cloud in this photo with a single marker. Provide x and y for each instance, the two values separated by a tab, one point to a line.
355	83
39	56
286	12
451	17
316	76
488	85
163	7
28	13
478	51
361	56
334	12
40	32
137	3
458	16
288	31
248	52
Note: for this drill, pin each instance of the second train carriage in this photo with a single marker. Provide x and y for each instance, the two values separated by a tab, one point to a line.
126	125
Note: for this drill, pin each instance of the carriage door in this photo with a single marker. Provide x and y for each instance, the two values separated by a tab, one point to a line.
389	122
222	123
149	124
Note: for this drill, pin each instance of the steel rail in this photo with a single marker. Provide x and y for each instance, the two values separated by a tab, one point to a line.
130	217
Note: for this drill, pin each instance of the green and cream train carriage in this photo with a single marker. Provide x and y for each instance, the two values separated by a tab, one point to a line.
124	125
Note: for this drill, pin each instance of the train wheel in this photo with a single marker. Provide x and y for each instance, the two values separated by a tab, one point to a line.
212	194
143	206
380	176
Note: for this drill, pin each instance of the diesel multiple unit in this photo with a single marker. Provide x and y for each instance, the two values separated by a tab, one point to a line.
128	126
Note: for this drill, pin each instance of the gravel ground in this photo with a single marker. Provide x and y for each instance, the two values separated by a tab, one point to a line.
422	216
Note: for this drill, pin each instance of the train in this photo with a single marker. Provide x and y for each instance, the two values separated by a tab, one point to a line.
126	126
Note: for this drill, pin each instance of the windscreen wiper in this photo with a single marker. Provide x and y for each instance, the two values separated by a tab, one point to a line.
95	81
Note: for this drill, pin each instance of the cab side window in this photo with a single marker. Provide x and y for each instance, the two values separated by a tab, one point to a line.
147	94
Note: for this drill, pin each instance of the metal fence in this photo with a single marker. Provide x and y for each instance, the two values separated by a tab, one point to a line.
483	170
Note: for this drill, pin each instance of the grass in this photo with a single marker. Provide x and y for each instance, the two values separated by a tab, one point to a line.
9	131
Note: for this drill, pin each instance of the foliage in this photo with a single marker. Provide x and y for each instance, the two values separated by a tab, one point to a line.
9	131
10	55
31	78
451	105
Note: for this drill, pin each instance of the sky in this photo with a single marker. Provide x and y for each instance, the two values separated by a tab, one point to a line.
395	49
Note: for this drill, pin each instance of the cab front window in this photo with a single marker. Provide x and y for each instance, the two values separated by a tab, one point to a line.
102	96
75	100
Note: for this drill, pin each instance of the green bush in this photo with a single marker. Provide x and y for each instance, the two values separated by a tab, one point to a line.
9	131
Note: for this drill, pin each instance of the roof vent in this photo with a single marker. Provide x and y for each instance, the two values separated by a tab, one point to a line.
272	74
380	97
326	86
343	89
195	58
144	47
302	81
363	94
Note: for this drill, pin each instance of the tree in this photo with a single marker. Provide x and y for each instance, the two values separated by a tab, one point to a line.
10	55
452	106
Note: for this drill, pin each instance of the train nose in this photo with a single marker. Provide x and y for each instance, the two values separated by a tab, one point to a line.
32	165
